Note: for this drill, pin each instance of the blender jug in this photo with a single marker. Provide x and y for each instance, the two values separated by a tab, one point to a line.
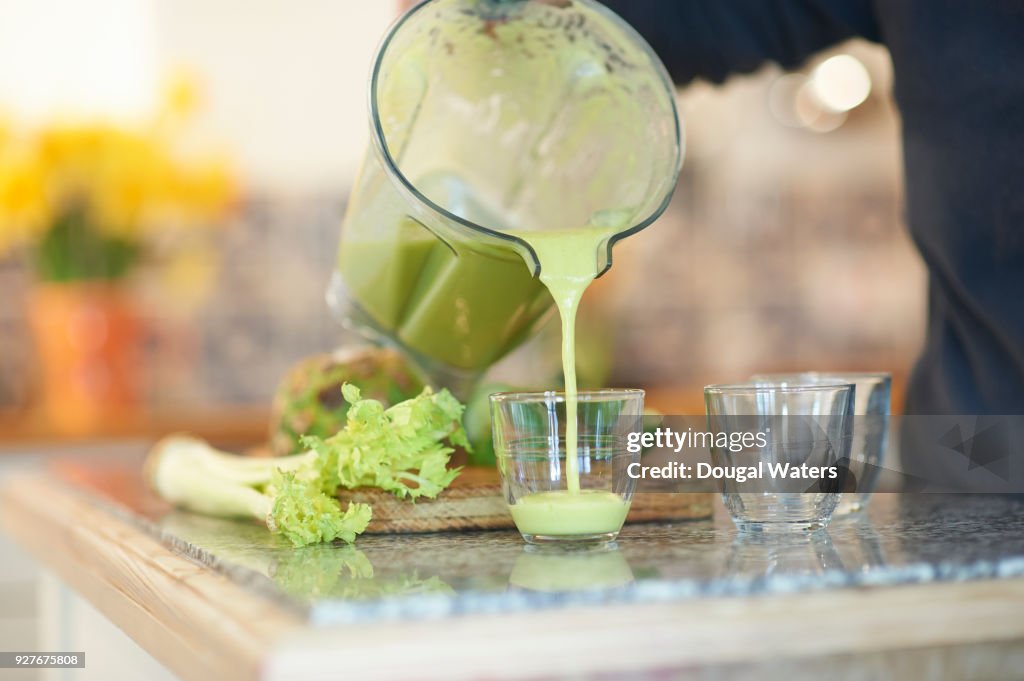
491	119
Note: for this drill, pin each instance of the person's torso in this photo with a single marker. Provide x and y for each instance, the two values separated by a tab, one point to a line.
959	82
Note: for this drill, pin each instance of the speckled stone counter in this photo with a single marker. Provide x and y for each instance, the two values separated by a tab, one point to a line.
901	539
922	587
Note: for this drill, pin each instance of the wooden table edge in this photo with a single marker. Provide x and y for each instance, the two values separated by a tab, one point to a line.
197	622
201	625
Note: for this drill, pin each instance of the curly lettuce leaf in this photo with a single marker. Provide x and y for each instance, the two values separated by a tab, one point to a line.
401	449
303	514
405	450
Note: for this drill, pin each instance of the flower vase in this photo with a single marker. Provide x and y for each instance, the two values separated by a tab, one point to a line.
88	338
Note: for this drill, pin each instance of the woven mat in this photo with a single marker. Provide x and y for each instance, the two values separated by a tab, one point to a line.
474	502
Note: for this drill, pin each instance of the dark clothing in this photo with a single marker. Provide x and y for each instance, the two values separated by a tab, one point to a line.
959	84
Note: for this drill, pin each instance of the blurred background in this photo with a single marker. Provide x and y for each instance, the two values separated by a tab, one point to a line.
173	178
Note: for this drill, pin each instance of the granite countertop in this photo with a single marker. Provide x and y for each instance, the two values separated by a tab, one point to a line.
901	539
871	597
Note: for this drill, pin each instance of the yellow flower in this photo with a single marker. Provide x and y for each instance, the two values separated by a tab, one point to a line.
24	210
207	191
126	184
182	95
129	182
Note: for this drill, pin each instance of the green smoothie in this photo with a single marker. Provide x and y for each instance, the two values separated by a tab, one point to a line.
562	513
568	265
464	309
463	305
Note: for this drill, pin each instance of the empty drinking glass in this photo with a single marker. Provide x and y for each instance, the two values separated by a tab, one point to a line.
779	451
870	430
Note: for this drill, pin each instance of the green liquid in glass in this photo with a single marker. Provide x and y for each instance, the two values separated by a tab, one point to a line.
568	265
562	513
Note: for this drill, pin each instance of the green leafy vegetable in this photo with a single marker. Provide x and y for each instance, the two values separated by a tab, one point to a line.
401	449
305	515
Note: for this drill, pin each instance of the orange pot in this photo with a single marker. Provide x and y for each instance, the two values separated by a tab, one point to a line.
88	340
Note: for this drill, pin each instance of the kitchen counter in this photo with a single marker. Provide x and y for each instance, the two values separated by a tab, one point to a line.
30	428
923	586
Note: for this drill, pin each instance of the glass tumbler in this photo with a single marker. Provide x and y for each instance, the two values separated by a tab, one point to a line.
549	501
779	452
870	429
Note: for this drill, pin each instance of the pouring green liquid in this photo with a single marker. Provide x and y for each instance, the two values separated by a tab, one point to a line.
567	268
568	265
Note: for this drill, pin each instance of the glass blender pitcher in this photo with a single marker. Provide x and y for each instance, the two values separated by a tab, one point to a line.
490	119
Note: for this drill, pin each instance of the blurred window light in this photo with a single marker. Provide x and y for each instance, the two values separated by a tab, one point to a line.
840	83
793	103
813	115
82	57
782	99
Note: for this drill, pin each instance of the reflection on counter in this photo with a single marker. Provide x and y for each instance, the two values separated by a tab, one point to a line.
567	568
860	547
757	554
309	573
345	573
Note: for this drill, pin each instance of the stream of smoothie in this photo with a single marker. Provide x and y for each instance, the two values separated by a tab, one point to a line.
568	265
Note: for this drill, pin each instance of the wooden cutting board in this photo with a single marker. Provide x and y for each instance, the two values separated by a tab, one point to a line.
475	502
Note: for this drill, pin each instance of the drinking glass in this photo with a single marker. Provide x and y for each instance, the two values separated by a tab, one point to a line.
870	430
530	448
767	428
